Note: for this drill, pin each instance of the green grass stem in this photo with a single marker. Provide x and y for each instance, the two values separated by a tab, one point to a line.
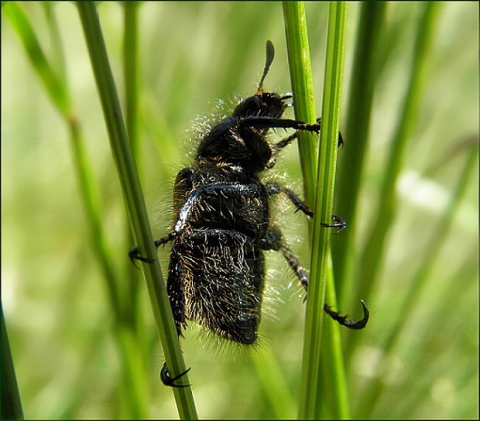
418	286
135	203
131	85
310	405
54	79
271	375
368	48
302	88
57	90
375	246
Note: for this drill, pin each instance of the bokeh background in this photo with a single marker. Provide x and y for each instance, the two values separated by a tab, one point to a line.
68	358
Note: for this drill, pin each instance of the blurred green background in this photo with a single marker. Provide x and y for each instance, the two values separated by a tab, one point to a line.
191	55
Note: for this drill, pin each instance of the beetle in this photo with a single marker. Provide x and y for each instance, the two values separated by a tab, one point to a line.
223	224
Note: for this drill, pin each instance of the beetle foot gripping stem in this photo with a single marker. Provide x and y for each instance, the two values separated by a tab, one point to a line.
170	381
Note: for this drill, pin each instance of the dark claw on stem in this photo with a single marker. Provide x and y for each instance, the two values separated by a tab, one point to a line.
339	223
133	255
349	323
170	381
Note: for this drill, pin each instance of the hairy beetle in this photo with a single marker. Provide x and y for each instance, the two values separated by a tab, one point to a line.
223	223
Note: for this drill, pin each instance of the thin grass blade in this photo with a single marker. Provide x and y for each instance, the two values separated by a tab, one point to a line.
135	204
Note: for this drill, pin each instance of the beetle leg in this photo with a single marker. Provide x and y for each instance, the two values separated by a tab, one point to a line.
339	223
344	321
275	188
304	281
133	252
170	381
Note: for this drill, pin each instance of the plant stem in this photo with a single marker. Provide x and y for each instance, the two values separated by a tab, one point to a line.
302	88
310	405
375	247
135	203
352	156
417	286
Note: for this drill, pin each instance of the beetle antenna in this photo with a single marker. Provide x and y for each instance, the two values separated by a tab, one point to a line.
269	56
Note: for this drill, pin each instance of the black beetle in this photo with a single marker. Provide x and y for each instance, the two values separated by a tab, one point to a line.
223	223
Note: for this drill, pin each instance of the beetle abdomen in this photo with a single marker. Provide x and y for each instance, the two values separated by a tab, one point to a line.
222	273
